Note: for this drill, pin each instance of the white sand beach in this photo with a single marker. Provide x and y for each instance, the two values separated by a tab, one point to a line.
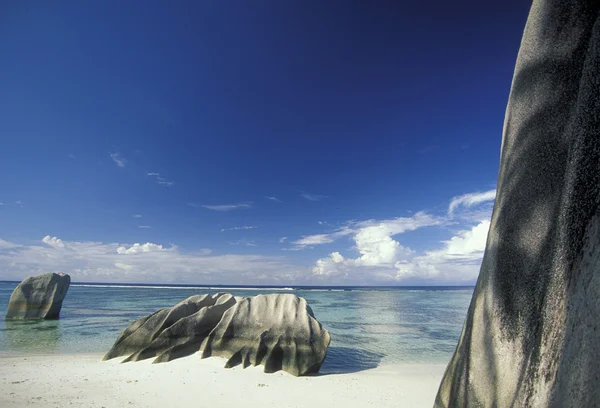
83	380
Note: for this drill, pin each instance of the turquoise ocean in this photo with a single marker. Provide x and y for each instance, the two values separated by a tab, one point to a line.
369	326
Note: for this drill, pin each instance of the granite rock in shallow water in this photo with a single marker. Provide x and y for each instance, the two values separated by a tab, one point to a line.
39	297
278	331
532	333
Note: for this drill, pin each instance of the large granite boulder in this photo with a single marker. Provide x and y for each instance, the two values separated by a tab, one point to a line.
171	330
278	331
532	333
39	297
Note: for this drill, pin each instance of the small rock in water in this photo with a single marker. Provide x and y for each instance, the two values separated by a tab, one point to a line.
39	297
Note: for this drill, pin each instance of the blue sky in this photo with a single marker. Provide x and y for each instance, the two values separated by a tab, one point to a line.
207	132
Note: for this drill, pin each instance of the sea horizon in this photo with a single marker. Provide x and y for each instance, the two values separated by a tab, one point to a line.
246	287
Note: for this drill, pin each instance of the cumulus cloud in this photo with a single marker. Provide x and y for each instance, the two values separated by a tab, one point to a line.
119	160
392	227
457	261
150	262
375	246
471	199
53	242
139	248
385	259
227	207
381	256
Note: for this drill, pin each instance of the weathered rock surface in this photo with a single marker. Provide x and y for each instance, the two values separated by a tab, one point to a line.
172	331
532	333
39	297
278	331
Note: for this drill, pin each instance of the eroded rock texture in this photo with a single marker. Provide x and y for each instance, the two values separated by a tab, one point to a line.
172	332
278	331
39	297
532	335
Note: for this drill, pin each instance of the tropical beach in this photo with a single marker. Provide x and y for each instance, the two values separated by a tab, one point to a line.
334	228
376	356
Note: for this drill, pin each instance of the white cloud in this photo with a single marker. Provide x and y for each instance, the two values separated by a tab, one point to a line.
137	216
457	261
161	180
468	242
379	253
53	242
71	156
320	239
471	199
312	197
144	226
336	257
317	239
119	160
385	259
6	244
277	200
194	205
139	248
227	207
375	246
382	257
124	266
150	262
391	227
243	242
243	227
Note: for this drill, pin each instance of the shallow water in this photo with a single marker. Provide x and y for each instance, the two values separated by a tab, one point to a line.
368	327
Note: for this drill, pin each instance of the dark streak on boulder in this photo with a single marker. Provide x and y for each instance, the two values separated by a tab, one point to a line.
277	331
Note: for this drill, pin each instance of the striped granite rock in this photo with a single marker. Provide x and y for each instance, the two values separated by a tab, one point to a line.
38	297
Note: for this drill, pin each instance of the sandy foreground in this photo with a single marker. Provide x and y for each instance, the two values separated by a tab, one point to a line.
82	380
